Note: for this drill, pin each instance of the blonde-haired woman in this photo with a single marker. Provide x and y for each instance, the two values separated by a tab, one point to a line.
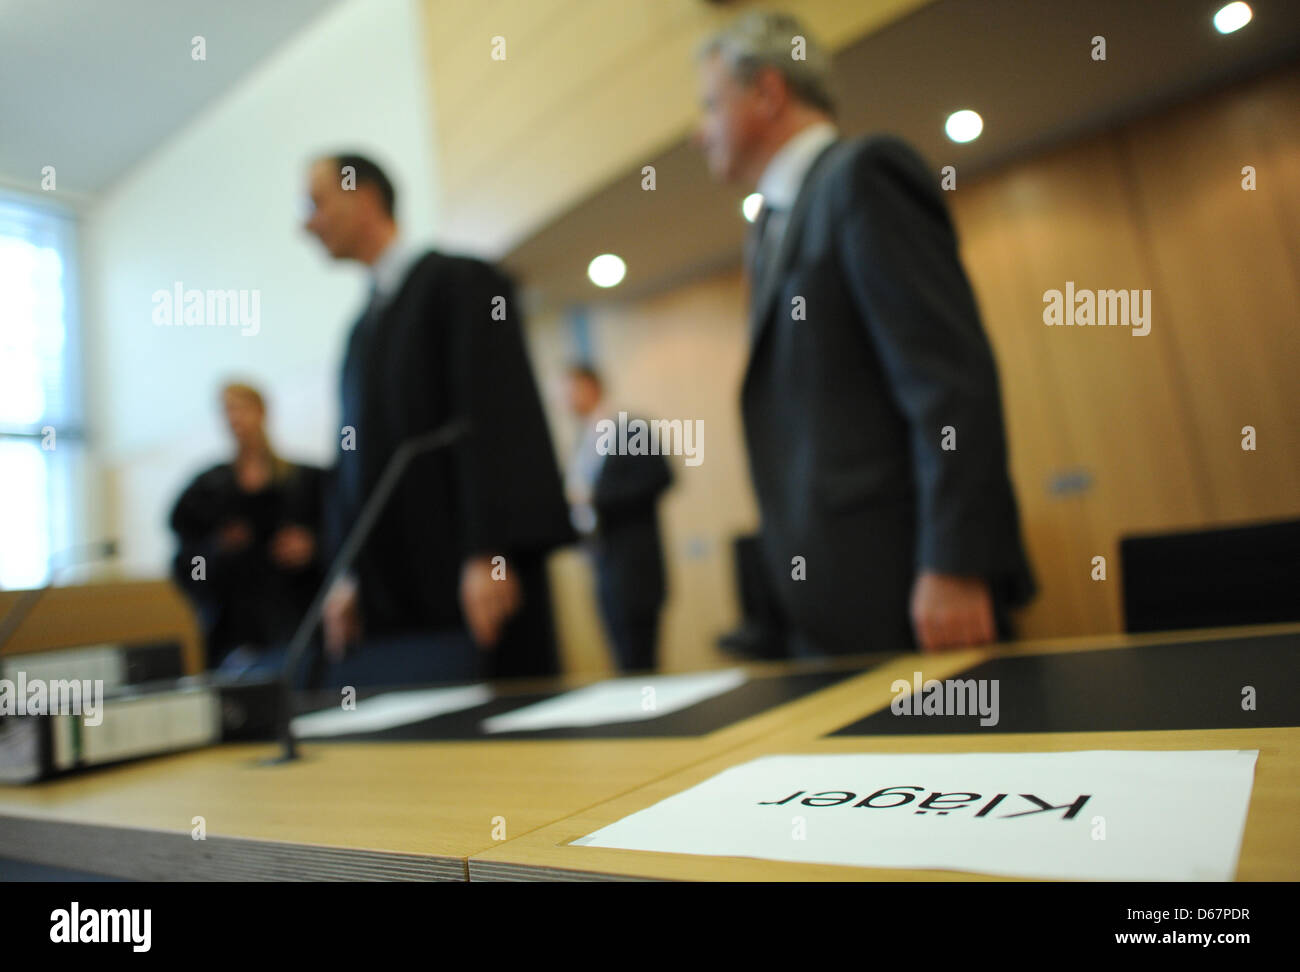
248	542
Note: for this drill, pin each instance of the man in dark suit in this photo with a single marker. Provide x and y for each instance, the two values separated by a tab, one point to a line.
871	403
461	543
613	499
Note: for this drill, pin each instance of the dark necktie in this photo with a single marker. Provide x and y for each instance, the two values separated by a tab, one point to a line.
355	371
373	307
766	235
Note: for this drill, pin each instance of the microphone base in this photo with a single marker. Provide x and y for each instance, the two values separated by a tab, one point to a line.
288	753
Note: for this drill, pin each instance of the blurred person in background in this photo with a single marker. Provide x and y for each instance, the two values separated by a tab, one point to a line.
254	521
613	500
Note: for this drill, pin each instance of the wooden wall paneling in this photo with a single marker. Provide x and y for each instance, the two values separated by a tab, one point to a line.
1227	262
119	612
1037	440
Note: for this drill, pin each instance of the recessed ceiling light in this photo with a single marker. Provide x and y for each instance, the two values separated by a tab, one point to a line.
751	204
1232	17
964	125
606	270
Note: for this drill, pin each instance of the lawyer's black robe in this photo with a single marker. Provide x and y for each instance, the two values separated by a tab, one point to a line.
243	597
432	354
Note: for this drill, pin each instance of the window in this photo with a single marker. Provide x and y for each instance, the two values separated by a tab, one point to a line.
41	416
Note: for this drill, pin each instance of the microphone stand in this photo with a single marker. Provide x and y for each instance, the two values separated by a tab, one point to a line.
439	438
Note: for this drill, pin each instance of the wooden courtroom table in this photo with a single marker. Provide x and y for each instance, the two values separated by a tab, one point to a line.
1071	678
352	809
427	810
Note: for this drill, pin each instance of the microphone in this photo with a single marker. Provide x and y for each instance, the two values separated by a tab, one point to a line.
71	557
439	438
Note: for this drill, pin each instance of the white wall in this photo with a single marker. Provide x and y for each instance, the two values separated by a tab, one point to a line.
219	207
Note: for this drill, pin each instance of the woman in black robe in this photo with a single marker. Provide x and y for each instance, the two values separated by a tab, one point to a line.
249	556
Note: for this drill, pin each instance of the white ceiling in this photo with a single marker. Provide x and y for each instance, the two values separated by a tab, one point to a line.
93	86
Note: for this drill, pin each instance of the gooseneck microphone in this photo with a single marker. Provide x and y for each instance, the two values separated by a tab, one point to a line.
417	445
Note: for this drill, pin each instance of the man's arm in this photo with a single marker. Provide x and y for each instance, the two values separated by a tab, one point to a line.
510	499
899	256
508	480
197	520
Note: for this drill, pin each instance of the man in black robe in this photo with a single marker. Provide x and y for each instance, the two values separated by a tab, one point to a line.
461	544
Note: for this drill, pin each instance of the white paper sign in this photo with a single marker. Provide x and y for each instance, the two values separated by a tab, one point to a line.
618	700
389	710
1103	815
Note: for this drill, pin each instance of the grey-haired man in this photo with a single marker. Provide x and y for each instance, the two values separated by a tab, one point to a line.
871	403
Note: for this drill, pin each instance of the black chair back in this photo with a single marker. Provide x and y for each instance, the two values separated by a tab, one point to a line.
1212	578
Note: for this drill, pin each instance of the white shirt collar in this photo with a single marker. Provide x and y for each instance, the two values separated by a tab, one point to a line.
391	268
785	173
